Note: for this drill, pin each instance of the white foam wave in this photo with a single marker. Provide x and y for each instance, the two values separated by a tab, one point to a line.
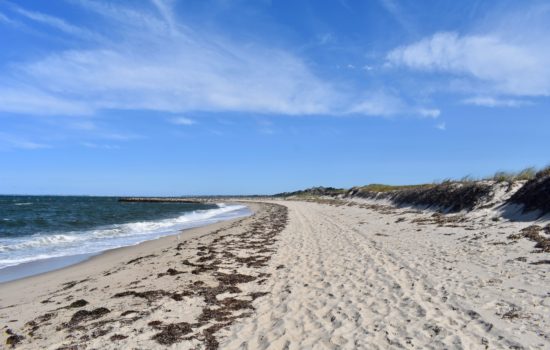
40	241
14	251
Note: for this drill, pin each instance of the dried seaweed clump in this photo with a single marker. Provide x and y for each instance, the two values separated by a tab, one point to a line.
533	233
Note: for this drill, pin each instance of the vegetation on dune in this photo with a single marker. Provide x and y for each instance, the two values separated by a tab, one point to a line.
450	195
314	191
543	172
388	188
535	194
507	176
526	174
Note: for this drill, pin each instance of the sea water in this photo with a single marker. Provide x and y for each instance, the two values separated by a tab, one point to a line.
34	228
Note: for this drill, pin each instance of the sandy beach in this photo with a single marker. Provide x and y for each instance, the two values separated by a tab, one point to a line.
369	276
275	175
319	274
175	290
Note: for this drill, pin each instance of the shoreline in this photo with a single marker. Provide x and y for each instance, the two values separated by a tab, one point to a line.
113	256
37	268
177	289
315	274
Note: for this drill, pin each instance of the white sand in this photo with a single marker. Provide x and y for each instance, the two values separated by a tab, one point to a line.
354	278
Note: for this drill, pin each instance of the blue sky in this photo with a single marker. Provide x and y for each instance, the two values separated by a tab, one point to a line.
238	97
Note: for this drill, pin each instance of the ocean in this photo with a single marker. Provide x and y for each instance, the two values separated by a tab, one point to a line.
34	228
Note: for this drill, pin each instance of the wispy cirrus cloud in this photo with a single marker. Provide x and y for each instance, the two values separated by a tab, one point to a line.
5	19
117	136
9	141
152	61
486	101
395	9
99	145
56	23
26	100
164	66
183	121
382	103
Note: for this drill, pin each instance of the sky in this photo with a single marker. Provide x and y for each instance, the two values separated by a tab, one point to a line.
191	97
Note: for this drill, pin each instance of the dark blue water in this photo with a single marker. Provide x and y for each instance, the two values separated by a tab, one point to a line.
39	227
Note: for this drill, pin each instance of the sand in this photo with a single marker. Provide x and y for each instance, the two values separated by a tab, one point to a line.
337	275
176	291
367	276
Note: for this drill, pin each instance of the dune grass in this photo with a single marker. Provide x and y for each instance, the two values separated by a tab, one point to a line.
500	176
507	176
388	188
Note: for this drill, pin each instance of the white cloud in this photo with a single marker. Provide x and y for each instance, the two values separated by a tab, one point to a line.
385	104
266	131
56	23
441	126
182	121
379	104
165	9
24	100
165	66
152	61
11	141
87	125
5	19
186	77
99	146
507	66
119	136
494	102
429	113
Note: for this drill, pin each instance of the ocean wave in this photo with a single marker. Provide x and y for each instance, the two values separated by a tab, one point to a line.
18	250
40	241
26	203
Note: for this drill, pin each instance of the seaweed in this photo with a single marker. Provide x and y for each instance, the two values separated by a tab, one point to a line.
84	315
172	333
71	284
150	295
13	338
78	303
136	260
116	337
533	233
170	272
